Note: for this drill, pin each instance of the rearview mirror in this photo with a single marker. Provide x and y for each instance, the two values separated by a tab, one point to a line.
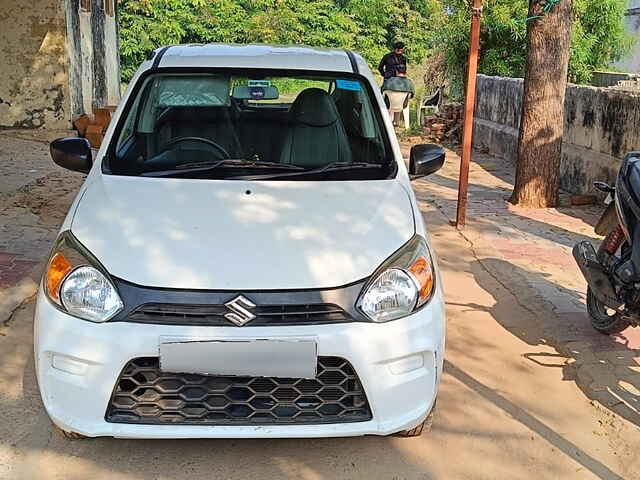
259	92
426	159
72	153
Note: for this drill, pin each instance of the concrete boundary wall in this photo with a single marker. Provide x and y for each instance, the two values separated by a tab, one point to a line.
34	87
601	126
59	60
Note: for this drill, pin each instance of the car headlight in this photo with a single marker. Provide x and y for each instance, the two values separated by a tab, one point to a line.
77	284
403	284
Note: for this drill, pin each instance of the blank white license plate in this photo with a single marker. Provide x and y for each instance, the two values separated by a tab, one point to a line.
253	358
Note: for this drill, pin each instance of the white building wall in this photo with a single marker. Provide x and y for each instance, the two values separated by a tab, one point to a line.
631	63
93	51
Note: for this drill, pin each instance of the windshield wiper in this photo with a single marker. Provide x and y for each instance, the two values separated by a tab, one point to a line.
330	167
195	167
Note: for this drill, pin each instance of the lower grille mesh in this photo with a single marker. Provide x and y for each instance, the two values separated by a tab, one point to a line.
145	395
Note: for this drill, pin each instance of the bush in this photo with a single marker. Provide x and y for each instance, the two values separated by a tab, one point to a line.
436	31
598	37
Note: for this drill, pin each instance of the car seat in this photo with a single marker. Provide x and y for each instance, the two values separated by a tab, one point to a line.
316	136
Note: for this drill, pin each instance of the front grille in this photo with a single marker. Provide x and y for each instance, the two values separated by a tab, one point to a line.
176	314
145	395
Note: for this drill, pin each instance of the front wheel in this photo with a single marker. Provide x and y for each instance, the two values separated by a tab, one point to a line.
419	429
604	319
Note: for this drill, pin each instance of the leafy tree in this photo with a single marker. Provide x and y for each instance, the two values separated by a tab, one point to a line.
319	23
598	37
428	27
148	24
367	26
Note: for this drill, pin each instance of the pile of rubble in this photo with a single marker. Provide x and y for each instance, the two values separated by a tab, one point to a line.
446	124
631	85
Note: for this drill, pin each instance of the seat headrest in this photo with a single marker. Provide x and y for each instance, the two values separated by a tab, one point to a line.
314	107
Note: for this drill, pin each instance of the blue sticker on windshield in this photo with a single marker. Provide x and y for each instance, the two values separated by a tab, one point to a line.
352	85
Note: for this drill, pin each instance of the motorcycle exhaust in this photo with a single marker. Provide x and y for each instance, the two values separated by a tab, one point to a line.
595	275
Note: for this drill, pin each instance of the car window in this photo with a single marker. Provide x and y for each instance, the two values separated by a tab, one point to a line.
217	125
129	126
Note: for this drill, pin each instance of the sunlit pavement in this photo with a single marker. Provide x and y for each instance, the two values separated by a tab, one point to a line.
529	390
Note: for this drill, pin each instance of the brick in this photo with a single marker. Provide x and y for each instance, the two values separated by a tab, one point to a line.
81	123
581	351
620	357
103	117
583	199
629	387
630	339
94	135
11	274
602	374
628	371
6	258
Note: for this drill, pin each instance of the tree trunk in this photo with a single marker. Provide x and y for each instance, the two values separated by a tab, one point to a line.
542	121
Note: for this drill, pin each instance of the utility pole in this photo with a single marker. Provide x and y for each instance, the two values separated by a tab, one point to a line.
470	103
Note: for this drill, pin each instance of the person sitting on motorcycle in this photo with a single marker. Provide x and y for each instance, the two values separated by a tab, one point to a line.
389	64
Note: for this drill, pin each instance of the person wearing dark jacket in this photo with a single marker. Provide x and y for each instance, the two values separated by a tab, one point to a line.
392	60
399	83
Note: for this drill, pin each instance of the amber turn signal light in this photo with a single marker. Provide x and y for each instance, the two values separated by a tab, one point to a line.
423	273
57	270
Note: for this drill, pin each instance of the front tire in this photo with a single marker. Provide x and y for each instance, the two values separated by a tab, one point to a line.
603	319
419	429
68	434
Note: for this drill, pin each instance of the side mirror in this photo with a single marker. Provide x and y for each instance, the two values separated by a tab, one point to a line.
72	153
426	159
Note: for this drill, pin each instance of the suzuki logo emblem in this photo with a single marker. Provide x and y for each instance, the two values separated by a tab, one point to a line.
240	314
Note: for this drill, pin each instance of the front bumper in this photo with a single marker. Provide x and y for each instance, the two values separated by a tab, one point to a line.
78	362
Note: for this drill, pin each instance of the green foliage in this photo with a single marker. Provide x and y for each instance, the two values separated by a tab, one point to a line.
435	31
148	24
598	37
367	26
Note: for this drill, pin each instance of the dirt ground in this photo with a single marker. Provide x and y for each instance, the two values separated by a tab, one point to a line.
511	404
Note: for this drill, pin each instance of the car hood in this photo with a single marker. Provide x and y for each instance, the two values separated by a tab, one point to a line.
236	235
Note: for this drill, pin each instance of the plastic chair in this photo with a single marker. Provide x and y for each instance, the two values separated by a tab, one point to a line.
429	105
398	102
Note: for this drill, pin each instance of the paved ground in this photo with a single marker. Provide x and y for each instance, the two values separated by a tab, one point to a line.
529	389
34	198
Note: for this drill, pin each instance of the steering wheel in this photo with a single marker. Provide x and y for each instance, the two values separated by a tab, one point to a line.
211	143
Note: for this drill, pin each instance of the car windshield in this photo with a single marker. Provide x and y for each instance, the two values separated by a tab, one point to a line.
251	127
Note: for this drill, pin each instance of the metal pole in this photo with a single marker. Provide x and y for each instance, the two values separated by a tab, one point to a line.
468	114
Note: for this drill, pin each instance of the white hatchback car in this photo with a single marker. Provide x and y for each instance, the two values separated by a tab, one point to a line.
245	259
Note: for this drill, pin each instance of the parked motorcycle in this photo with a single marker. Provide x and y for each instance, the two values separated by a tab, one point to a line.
613	272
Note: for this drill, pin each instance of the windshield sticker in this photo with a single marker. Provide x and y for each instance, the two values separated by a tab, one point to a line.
258	83
352	85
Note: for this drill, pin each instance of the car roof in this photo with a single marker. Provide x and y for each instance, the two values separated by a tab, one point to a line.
254	56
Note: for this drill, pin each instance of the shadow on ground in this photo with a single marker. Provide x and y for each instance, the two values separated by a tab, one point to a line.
603	367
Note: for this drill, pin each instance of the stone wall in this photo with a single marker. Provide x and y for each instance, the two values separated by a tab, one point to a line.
59	60
93	51
601	126
34	82
611	79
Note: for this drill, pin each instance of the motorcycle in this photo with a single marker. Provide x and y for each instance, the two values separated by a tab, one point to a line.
613	271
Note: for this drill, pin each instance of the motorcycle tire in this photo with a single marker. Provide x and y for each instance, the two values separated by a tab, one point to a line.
603	321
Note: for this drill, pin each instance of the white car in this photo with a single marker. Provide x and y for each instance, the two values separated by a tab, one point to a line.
246	258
